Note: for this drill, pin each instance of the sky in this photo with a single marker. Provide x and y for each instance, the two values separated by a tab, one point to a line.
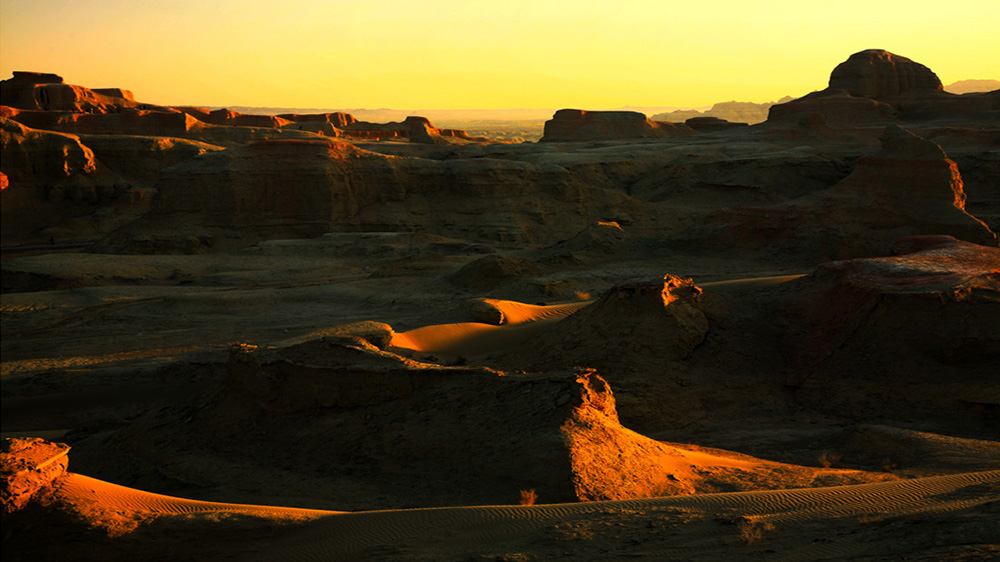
486	54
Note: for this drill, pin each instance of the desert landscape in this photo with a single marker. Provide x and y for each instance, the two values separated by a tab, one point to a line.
310	336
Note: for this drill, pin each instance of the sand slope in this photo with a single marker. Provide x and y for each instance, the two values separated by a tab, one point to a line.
891	520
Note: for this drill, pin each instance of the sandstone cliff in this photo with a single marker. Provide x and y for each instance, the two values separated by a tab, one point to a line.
307	188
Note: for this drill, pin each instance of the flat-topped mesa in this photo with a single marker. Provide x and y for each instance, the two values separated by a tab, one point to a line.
569	125
115	93
48	92
31	78
709	124
338	119
237	119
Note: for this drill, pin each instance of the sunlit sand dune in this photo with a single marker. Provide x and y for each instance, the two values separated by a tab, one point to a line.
800	523
515	322
83	490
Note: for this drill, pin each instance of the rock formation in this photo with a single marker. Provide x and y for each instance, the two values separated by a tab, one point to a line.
881	75
628	327
61	183
569	125
28	467
910	187
414	128
708	124
302	188
236	119
47	92
918	332
345	425
874	86
339	120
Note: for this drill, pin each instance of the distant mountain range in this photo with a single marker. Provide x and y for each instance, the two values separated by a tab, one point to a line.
972	86
736	111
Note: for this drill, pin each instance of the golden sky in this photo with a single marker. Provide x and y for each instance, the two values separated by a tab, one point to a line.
489	54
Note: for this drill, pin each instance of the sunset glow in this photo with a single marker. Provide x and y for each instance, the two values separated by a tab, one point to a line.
478	54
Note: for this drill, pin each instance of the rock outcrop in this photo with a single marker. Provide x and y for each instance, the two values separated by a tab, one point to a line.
339	120
147	123
872	87
28	466
569	125
67	187
344	425
363	429
48	92
908	188
917	333
293	189
237	119
413	128
881	75
709	124
630	327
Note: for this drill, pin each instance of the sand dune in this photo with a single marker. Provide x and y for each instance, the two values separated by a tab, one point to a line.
794	524
516	322
513	322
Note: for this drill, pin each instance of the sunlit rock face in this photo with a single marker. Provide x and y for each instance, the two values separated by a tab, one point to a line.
28	466
579	125
917	333
880	74
48	92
